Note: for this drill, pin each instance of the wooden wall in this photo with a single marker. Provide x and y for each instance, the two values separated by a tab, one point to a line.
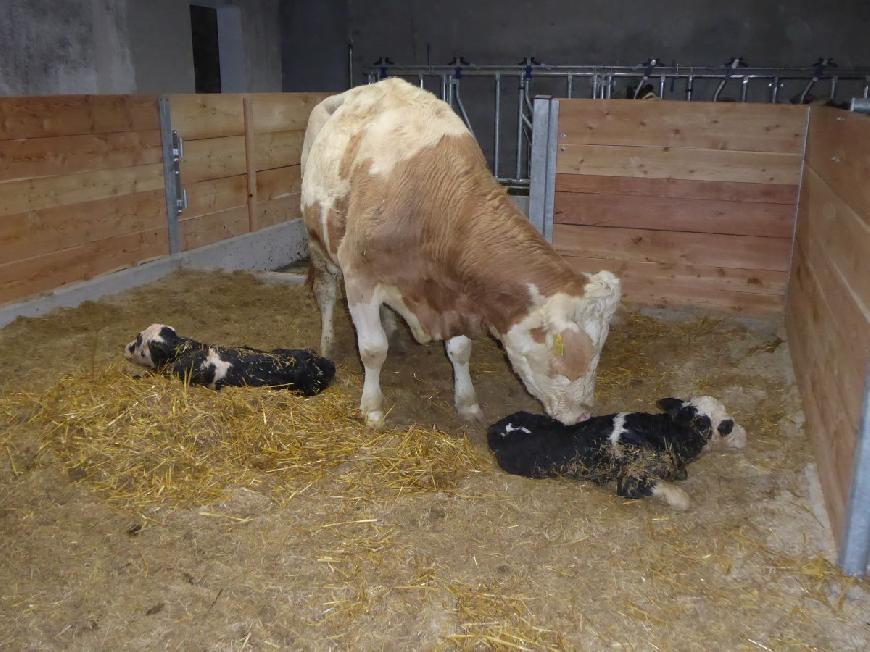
689	203
828	308
81	189
241	161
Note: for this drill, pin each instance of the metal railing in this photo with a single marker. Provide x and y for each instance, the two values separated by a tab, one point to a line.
672	82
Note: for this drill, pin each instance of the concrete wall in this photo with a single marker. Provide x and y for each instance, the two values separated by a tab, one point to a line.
314	42
124	46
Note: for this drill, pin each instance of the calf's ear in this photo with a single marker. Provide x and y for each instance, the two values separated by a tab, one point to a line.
671	406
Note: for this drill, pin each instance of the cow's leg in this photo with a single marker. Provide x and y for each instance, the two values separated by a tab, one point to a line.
325	285
465	399
372	344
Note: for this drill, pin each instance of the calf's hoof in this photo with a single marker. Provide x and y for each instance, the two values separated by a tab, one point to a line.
375	420
673	496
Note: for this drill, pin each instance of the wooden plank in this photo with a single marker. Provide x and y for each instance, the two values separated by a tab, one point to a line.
42	157
278	149
665	213
643	245
703	125
283	111
274	211
680	188
71	115
36	194
664	285
693	164
42	232
213	158
24	278
835	498
279	182
215	195
845	237
807	320
213	227
250	163
207	115
838	149
845	355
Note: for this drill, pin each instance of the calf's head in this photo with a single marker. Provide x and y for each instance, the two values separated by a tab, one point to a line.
555	348
153	347
705	411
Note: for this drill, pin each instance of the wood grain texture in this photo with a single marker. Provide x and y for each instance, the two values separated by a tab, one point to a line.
667	285
818	430
844	236
691	164
643	245
665	213
250	163
283	111
213	158
36	194
844	351
680	188
41	232
279	182
278	149
215	195
24	278
278	210
700	125
207	115
42	157
70	115
809	322
838	151
213	227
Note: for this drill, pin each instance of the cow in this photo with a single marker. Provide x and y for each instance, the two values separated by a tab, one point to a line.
160	347
398	201
642	452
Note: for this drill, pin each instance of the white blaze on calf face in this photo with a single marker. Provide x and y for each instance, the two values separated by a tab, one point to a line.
139	350
720	420
541	346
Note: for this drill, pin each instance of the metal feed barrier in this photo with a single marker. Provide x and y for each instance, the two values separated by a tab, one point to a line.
733	81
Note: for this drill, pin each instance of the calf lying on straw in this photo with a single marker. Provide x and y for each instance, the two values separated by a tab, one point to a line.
160	347
642	452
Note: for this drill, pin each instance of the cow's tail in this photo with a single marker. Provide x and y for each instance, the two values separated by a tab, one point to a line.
320	115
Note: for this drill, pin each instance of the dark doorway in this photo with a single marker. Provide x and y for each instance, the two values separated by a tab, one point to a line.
206	55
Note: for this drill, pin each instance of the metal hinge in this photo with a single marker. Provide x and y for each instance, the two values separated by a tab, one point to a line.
177	152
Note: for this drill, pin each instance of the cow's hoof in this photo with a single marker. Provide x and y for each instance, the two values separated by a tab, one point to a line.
375	420
472	413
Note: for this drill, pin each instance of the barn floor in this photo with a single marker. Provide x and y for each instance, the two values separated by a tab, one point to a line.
495	561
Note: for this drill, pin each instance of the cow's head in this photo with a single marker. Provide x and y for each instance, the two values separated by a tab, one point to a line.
724	431
555	348
153	347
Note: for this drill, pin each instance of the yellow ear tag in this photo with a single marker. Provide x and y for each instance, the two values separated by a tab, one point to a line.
558	345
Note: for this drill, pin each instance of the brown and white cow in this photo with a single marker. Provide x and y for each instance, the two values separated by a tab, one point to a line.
397	198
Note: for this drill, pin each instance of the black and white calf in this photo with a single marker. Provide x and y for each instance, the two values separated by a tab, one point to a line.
160	347
642	452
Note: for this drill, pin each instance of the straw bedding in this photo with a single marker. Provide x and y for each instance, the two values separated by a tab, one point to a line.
143	513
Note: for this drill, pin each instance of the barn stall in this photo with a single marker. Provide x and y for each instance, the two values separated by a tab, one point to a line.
281	522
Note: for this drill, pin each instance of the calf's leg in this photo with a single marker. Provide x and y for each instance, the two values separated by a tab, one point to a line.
372	344
465	399
629	485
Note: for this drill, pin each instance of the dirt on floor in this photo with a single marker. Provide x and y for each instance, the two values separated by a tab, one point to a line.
487	561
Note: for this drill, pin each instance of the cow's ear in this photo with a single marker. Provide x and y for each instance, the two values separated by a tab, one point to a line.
572	352
671	406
